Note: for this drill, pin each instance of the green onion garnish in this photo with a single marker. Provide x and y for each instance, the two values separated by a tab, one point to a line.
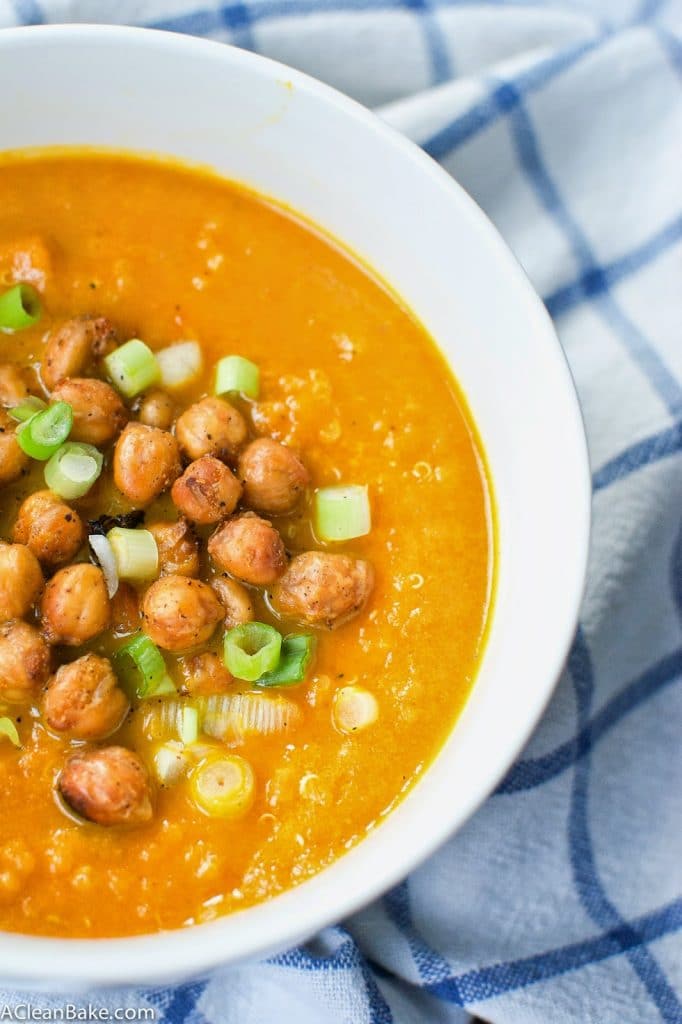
236	374
251	650
142	668
29	407
45	432
19	308
342	513
223	786
188	726
73	469
179	364
9	729
135	552
294	661
133	368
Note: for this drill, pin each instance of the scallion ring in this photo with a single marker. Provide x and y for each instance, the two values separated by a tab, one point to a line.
73	469
9	729
28	408
294	661
45	432
19	308
136	553
147	675
104	554
342	512
251	650
236	374
133	368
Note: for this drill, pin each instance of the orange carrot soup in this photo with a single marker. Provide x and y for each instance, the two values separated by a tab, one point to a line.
246	547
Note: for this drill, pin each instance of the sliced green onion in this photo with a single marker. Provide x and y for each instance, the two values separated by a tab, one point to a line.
73	469
133	368
224	716
29	407
104	554
136	553
9	729
234	373
294	661
354	708
171	762
189	726
147	675
180	364
342	513
19	308
223	786
45	432
251	650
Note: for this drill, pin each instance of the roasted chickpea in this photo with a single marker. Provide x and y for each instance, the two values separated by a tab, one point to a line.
75	346
324	589
180	613
15	384
52	530
178	548
156	409
207	491
21	580
146	462
249	548
125	610
98	413
24	661
84	699
273	477
109	786
211	427
75	605
235	600
205	674
13	461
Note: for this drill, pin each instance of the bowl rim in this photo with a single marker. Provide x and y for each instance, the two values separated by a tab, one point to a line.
164	957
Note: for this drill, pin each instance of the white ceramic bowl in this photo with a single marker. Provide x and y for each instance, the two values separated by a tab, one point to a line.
301	142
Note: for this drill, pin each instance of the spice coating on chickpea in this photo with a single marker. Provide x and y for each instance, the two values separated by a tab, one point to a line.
180	613
274	477
98	413
207	491
75	605
21	580
178	548
74	346
13	460
235	600
205	674
50	528
211	427
249	548
24	661
320	588
125	610
84	699
156	409
146	462
108	786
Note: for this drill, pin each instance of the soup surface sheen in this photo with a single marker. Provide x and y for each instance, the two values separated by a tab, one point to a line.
355	385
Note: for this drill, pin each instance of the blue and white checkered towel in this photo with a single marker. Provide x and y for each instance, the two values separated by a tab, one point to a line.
561	901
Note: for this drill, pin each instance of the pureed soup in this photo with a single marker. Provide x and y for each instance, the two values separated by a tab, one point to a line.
246	551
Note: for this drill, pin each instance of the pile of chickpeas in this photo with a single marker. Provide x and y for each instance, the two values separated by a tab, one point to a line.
53	600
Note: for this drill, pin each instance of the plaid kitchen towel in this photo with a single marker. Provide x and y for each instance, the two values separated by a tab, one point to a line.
561	901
